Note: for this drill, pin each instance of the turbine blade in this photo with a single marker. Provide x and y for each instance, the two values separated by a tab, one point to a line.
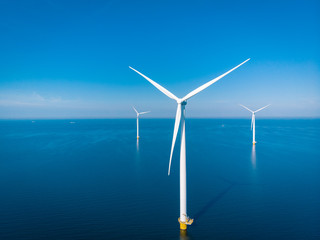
162	89
175	132
262	108
144	112
246	108
204	86
135	109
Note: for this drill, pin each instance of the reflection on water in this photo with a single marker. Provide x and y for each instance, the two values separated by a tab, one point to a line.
184	235
137	145
138	159
138	155
253	156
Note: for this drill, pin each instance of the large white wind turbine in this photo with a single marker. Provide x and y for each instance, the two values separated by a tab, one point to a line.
253	122
180	120
138	114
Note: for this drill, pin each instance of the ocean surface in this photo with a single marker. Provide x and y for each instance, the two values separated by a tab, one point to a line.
91	179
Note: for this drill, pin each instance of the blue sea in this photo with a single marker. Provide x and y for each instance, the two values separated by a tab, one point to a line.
91	179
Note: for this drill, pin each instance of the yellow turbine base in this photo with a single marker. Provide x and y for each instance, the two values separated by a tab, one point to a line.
254	143
137	137
183	225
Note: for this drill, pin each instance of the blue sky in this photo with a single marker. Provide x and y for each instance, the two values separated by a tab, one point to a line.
69	59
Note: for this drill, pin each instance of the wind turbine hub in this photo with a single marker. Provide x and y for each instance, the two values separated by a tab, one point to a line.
181	101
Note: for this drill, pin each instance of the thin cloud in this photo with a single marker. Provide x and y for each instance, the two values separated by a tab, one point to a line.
34	100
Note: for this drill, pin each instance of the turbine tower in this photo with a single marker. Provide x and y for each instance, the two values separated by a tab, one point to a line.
184	220
253	122
138	114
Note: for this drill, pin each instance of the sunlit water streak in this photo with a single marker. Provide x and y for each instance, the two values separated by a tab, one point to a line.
94	180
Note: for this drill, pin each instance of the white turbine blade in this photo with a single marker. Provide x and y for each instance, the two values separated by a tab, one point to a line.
144	112
175	132
246	108
251	121
162	89
135	109
204	86
262	108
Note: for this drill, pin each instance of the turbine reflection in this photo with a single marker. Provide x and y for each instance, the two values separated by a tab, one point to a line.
138	160
253	156
184	235
137	145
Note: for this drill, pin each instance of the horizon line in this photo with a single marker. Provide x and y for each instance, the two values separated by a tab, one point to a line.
153	118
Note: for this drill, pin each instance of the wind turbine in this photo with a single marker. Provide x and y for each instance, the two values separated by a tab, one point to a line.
253	121
138	114
184	220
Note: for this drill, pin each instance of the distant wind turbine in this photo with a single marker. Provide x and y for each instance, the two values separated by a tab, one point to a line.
180	120
138	114
253	121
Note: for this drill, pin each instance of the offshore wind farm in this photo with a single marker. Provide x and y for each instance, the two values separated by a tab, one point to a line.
87	144
90	179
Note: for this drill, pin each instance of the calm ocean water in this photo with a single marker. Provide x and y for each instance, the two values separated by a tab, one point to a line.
92	180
